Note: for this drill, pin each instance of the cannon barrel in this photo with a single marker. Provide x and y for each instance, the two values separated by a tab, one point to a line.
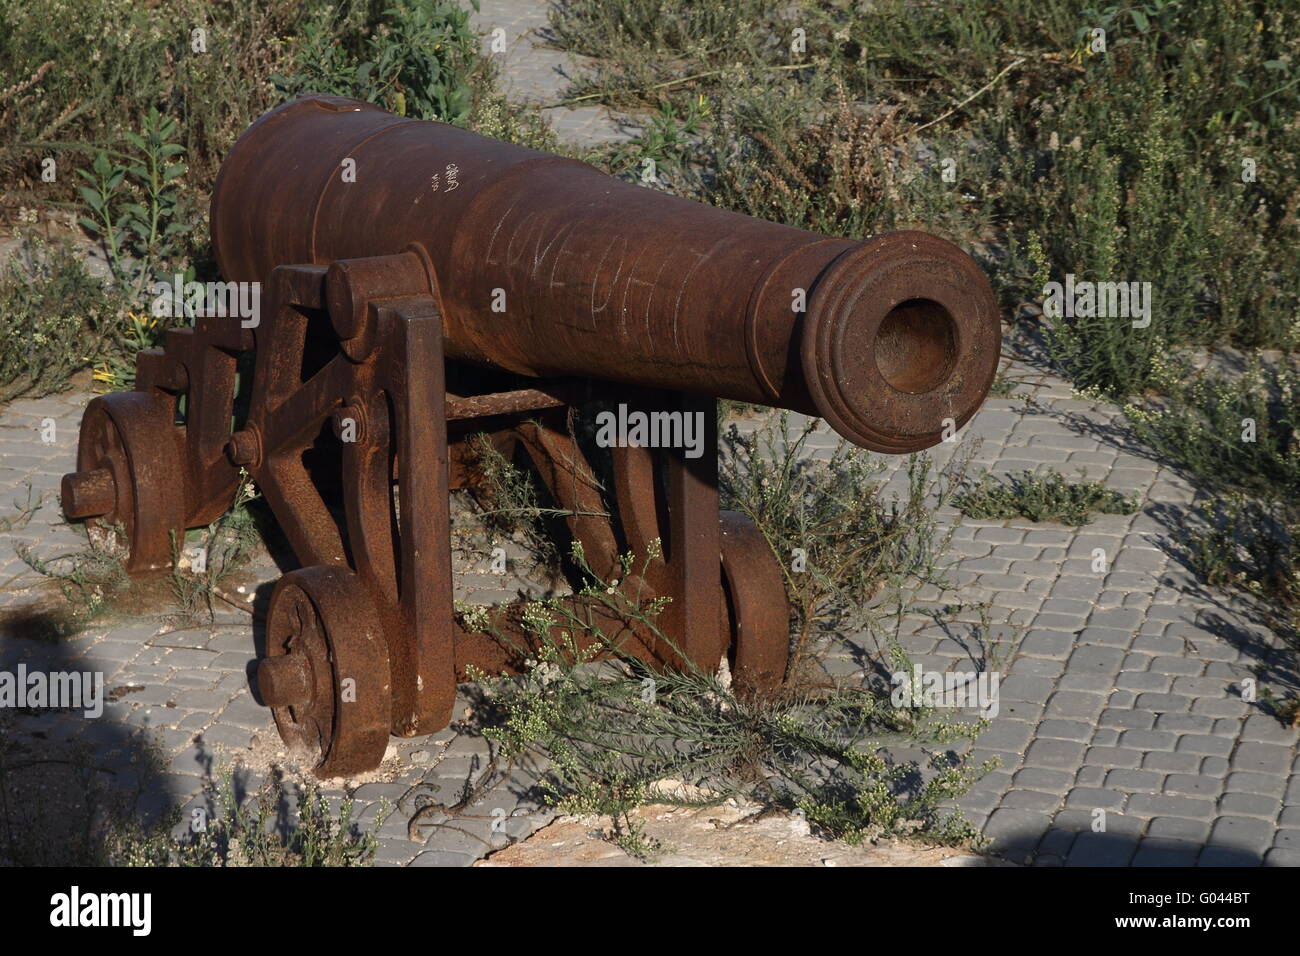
548	267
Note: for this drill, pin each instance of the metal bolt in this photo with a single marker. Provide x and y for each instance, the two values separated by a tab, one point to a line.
244	447
88	494
285	681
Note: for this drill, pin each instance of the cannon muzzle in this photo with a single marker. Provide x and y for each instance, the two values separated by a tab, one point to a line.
549	267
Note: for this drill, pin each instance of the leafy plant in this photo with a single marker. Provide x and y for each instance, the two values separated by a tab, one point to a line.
131	203
91	579
416	62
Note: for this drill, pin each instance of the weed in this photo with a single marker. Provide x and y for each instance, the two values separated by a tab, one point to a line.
57	809
615	732
207	556
91	579
24	510
840	544
262	830
513	504
1043	497
1239	433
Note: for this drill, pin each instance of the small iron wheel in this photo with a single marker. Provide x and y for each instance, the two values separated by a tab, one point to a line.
130	476
326	673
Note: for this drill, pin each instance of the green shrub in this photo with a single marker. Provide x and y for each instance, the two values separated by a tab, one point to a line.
54	319
1226	433
112	60
416	62
1237	439
98	77
265	830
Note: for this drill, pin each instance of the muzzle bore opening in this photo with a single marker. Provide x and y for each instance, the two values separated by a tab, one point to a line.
916	346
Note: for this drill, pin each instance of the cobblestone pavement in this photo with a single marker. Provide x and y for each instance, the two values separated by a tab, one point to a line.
1122	689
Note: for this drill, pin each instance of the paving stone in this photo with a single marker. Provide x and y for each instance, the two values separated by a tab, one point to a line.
1089	657
1088	683
1194	785
1029	689
1076	704
1064	730
1054	754
1107	636
1120	619
1162	703
443	858
1179	828
1147	740
1101	849
1049	644
1183	723
1189	764
1250	805
1214	767
1219	707
1259	728
1020	799
1088	798
1160	856
1152	805
1261	783
1048	781
1124	778
1287	839
1008	735
1242	833
1122	718
243	711
1010	829
1262	758
1205	744
1037	667
980	800
1143	681
1176	666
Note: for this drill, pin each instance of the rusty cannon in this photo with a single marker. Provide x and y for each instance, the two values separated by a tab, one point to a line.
418	285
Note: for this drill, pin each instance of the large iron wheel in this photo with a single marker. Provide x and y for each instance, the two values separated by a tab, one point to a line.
326	673
758	610
130	475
